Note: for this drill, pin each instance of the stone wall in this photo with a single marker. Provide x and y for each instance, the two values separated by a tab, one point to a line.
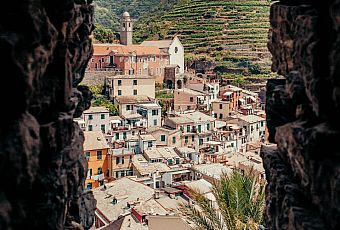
303	113
45	48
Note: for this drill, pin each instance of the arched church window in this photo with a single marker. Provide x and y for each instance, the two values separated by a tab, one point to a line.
176	49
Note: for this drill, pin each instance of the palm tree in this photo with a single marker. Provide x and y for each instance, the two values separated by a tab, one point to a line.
239	204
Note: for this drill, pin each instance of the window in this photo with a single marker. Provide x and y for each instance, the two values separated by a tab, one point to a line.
186	139
128	107
215	115
100	171
122	160
87	155
90	117
140	71
154	122
90	128
221	106
188	107
102	128
221	116
151	71
261	123
208	126
176	49
200	141
163	138
89	186
102	116
154	112
119	82
199	128
173	140
124	135
89	173
257	126
134	82
232	145
149	144
134	92
182	128
119	92
117	174
191	99
117	136
192	138
117	160
188	128
99	155
208	139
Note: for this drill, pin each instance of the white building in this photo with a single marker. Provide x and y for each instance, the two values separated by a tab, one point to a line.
96	119
254	126
173	47
146	141
151	112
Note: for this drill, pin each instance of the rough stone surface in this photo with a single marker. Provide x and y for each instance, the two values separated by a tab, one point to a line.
45	47
303	171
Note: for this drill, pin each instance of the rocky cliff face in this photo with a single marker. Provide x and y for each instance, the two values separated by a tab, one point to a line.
45	48
303	112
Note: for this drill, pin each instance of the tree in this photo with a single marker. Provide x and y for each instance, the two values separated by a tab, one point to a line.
103	35
239	204
255	69
100	100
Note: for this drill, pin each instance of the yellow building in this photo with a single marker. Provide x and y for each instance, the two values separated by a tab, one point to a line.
96	151
121	162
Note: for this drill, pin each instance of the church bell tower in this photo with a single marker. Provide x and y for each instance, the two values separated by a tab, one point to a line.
126	26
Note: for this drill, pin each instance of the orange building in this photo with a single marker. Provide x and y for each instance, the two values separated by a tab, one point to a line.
129	59
96	151
233	95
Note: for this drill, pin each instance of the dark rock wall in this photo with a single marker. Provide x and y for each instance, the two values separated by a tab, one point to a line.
44	49
303	113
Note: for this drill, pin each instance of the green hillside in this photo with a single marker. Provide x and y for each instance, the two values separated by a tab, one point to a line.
232	33
108	12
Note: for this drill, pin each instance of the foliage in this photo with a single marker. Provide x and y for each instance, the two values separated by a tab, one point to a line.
103	35
164	94
239	204
255	69
239	81
100	100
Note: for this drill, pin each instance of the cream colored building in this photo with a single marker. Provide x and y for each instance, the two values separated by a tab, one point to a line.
220	109
130	85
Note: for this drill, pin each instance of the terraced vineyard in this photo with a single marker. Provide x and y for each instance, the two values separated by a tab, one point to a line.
229	32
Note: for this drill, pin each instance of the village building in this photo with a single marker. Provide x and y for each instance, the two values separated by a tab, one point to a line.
121	162
187	99
166	155
166	136
173	48
189	155
151	112
96	119
196	128
96	151
233	95
126	104
254	127
130	85
221	109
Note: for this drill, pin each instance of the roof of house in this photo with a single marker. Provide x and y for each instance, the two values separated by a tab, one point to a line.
189	91
150	106
126	50
213	170
168	152
160	44
124	190
94	140
252	118
201	185
97	109
152	153
162	129
137	99
180	120
167	223
145	168
147	137
197	116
